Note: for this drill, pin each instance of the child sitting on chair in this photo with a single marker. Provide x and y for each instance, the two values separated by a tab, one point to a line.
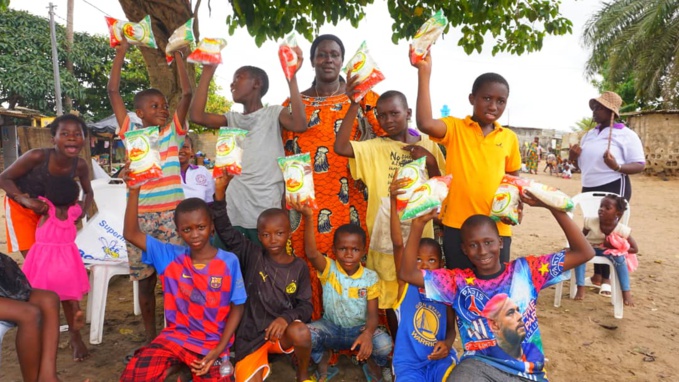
610	238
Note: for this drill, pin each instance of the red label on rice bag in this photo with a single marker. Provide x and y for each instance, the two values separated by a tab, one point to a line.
363	66
208	52
288	57
136	33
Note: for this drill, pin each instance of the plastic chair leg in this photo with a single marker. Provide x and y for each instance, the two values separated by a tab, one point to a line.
557	294
135	293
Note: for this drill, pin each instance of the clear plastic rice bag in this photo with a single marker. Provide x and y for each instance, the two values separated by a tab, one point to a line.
428	33
427	197
506	203
136	33
363	66
229	157
208	51
551	196
181	37
288	57
298	176
144	154
416	173
506	199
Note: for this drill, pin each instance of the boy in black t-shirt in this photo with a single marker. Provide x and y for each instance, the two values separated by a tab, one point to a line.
279	292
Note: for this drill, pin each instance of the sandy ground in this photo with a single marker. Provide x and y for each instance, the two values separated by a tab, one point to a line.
582	340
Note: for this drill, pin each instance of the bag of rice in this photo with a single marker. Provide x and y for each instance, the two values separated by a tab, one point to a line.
427	197
298	177
136	33
416	173
550	196
229	153
143	152
181	37
208	52
506	203
288	57
363	66
428	33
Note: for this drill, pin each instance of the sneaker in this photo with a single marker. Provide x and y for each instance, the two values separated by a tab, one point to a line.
386	375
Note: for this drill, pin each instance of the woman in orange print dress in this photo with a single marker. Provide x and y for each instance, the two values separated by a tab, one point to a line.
340	199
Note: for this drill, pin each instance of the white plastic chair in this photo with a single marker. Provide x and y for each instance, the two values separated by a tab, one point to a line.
110	196
589	203
5	326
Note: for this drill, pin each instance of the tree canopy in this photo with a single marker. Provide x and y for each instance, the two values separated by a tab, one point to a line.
517	26
26	77
635	42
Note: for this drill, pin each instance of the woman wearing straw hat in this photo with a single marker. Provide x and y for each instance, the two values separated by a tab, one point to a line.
606	157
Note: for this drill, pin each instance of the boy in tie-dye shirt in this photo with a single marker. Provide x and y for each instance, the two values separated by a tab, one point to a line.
496	303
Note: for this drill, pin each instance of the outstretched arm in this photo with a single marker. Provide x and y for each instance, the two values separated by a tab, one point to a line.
342	140
296	119
113	87
185	100
409	271
580	250
197	113
131	230
423	116
316	258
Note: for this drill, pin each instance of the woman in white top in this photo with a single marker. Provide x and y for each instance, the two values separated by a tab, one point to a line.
197	181
605	169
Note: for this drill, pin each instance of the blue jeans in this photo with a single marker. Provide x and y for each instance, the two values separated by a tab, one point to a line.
326	335
620	265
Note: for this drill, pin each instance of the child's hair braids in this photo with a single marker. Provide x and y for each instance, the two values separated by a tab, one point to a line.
620	202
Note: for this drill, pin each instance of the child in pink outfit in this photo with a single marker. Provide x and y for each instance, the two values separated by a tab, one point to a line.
54	262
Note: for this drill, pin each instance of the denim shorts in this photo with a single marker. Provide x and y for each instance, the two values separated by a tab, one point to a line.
325	335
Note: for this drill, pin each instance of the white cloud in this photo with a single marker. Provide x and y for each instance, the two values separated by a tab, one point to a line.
548	88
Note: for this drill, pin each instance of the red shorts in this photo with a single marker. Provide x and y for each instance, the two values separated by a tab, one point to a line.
20	225
151	362
259	360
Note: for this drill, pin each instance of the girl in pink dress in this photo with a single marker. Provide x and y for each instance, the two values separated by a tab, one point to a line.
54	262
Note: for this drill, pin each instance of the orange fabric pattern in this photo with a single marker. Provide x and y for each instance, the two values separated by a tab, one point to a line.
339	199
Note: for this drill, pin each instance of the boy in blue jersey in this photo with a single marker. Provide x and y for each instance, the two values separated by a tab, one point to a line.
204	296
426	329
496	302
350	294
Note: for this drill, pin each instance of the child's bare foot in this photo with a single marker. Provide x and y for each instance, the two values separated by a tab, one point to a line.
596	280
627	298
78	320
80	352
580	295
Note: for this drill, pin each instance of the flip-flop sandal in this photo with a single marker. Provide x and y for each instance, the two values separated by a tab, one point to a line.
331	373
605	290
369	377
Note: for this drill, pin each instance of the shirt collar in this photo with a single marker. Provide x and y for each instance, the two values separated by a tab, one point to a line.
356	275
193	166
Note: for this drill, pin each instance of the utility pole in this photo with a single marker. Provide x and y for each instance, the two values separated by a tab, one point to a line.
69	46
55	62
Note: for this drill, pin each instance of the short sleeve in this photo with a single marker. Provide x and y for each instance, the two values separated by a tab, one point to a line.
357	165
74	212
373	291
623	230
545	270
126	126
440	285
160	254
178	126
450	126
633	151
210	188
238	294
513	161
323	276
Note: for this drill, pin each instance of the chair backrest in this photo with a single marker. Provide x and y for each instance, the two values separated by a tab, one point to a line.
589	203
110	194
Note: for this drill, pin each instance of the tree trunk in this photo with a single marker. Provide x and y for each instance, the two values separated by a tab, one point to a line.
166	16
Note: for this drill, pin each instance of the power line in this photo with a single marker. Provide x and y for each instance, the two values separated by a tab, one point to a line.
95	7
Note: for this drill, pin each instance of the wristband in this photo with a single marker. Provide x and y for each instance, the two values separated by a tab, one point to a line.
618	169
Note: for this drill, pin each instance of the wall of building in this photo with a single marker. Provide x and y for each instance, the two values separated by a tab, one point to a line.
659	133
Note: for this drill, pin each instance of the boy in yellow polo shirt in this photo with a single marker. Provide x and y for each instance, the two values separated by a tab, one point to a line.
479	153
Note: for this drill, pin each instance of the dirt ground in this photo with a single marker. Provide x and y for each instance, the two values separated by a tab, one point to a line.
582	340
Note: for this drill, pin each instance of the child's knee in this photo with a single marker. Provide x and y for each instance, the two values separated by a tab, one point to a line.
29	314
382	344
299	334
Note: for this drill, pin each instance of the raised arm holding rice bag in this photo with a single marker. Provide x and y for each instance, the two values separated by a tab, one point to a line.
428	33
427	197
363	66
506	198
182	36
416	174
136	33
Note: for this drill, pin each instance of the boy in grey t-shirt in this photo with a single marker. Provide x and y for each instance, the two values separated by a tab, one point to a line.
260	185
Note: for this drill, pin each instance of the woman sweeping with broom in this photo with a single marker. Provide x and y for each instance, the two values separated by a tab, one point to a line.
606	156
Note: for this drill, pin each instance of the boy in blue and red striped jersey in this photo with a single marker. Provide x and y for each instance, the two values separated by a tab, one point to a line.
204	295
